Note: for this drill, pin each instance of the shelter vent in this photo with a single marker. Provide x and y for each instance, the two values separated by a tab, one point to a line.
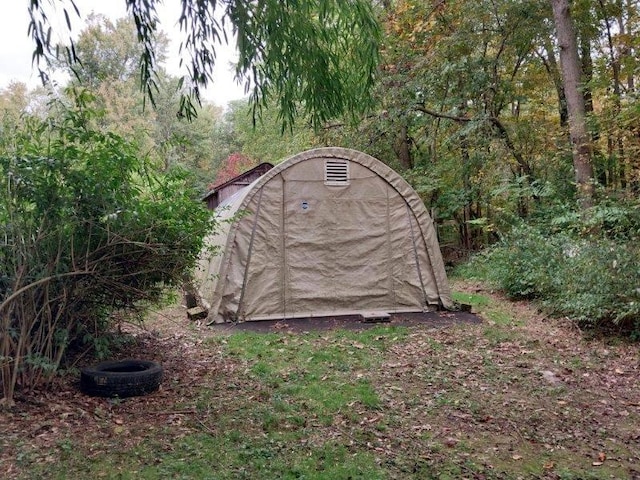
336	172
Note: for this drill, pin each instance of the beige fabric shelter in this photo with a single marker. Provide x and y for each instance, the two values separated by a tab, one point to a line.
329	231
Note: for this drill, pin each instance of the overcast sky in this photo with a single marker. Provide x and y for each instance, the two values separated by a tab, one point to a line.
16	48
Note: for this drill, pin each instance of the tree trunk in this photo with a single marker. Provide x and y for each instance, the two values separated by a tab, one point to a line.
627	11
551	65
402	148
570	62
586	63
615	72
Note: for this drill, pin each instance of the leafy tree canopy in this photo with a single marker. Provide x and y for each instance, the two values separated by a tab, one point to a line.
266	142
316	57
109	51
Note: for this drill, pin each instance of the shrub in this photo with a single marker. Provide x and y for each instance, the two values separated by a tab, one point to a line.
584	266
616	220
88	228
600	285
524	264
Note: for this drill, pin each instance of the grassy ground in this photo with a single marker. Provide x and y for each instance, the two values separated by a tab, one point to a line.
517	396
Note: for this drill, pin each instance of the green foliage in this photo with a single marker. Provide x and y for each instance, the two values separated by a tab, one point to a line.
524	264
316	57
616	220
110	54
179	142
582	265
464	111
468	99
88	228
109	51
471	109
264	141
600	285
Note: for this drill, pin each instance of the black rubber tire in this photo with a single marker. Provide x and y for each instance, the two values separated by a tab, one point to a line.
123	378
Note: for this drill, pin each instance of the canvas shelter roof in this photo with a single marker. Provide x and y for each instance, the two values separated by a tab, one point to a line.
292	244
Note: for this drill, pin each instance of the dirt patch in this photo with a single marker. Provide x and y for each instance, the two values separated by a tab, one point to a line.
350	322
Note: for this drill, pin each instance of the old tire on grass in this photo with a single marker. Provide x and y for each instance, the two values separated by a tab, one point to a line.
123	378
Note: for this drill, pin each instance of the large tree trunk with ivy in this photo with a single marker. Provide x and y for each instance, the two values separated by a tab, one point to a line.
581	144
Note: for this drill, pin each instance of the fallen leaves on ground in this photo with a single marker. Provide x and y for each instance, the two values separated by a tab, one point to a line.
498	396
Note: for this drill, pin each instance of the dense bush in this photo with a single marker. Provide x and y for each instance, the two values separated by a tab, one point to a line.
524	264
600	285
87	228
585	266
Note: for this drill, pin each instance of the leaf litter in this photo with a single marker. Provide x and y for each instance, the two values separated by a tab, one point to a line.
532	399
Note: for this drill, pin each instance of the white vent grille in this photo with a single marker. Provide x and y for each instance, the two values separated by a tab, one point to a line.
336	172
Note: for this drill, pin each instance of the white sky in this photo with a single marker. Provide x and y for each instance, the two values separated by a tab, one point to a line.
16	48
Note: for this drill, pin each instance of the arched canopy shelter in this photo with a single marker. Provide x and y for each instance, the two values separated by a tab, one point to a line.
330	231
